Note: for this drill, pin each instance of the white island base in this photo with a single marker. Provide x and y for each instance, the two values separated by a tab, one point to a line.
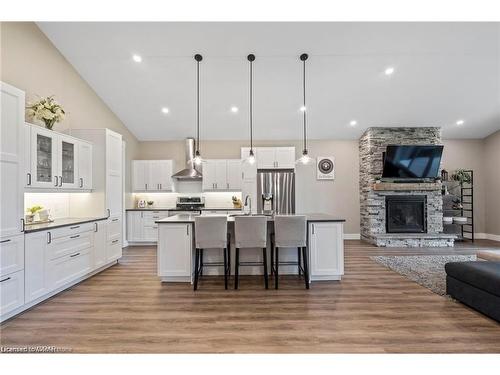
176	250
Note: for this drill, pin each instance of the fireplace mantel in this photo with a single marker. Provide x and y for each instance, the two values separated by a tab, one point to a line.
420	186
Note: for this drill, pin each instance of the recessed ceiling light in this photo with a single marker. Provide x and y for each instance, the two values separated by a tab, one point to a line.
137	58
389	71
165	110
353	123
303	108
460	122
234	109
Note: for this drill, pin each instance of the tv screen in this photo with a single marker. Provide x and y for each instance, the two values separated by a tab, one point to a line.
412	161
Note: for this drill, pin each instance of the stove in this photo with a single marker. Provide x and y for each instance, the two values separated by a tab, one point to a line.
190	203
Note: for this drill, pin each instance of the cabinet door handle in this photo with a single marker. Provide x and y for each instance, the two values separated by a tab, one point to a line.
160	186
22	225
81	182
114	241
4	241
187	229
146	186
74	255
60	181
75	227
312	228
142	214
227	185
29	179
75	236
109	212
8	278
114	219
56	181
96	227
49	237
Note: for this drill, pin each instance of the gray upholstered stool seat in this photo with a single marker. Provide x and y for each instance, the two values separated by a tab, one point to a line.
290	231
250	232
211	232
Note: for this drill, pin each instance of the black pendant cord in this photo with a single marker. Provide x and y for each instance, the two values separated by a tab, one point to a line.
198	58
251	58
251	106
304	104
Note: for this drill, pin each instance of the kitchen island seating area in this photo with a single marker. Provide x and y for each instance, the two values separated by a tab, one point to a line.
182	258
211	233
250	232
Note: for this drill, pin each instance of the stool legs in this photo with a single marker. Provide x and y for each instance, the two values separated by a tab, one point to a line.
264	258
236	268
225	268
306	267
201	262
196	268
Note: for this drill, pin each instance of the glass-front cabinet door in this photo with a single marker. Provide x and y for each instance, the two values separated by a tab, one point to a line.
68	163
43	158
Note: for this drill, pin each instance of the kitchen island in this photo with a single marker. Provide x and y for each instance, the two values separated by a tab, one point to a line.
325	239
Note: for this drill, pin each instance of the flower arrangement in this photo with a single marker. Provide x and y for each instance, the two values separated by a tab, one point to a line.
461	176
47	110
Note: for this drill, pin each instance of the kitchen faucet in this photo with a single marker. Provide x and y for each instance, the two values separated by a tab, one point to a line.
248	198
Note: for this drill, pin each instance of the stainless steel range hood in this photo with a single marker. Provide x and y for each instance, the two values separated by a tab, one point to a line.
190	173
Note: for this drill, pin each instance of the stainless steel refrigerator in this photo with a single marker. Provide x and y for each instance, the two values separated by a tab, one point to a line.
278	188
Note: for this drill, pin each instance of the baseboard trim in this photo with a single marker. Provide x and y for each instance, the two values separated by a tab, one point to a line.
352	236
487	236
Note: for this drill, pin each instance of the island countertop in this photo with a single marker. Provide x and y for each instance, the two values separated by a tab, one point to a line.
189	218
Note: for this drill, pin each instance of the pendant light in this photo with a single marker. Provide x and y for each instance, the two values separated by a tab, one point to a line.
197	158
305	158
251	157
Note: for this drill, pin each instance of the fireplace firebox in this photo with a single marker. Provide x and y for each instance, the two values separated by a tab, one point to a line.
406	213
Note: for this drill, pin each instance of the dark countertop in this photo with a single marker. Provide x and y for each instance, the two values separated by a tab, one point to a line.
58	223
183	209
189	218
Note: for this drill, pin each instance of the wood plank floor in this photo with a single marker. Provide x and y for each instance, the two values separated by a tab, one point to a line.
126	309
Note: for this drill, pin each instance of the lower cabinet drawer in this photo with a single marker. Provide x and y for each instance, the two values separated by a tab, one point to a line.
114	227
11	254
71	230
68	268
151	233
11	292
67	245
114	249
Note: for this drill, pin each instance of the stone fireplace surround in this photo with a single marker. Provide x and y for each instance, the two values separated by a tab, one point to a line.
372	144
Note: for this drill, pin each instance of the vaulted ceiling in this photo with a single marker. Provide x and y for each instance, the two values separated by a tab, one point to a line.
443	73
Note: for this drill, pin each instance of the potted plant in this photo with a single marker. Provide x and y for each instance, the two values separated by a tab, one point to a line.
461	176
31	211
46	110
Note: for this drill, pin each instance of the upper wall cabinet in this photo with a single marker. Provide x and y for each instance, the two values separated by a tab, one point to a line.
11	160
222	174
152	175
55	161
272	157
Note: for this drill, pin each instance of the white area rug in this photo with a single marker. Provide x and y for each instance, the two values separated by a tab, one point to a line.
426	270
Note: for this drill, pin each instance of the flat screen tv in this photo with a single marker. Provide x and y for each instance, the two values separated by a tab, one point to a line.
412	162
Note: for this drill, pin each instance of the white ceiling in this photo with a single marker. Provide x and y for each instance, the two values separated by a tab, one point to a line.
443	72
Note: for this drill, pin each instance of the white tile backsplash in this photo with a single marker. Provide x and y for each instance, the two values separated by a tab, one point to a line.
167	200
57	203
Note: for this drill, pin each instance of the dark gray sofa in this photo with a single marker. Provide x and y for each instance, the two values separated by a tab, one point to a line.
476	284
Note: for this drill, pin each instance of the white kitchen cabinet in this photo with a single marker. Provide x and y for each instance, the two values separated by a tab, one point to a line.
222	174
12	160
275	157
85	165
234	176
135	227
11	254
64	270
152	175
12	292
100	243
114	239
326	251
57	161
36	273
142	227
175	260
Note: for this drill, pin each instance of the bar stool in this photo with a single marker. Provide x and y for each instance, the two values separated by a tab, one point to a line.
250	232
290	231
211	232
